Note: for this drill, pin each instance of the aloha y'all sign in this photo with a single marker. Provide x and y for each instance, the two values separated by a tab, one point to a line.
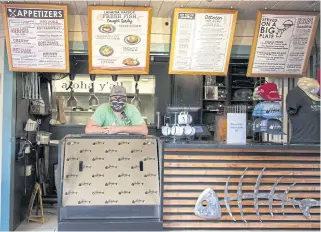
103	84
83	86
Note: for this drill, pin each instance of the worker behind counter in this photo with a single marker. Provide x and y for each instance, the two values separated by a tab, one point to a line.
117	116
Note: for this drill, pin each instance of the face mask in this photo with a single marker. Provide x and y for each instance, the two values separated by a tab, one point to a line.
117	106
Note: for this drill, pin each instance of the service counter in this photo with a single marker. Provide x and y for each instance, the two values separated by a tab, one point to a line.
58	133
141	183
246	177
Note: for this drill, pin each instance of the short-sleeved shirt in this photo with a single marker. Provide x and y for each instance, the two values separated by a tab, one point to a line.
304	114
105	116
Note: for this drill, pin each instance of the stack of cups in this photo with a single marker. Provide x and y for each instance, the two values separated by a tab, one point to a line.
183	119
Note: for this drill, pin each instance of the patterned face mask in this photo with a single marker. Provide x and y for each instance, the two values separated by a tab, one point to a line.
117	106
117	103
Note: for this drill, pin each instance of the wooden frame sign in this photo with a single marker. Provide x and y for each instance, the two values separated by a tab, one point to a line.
36	37
119	39
282	43
202	41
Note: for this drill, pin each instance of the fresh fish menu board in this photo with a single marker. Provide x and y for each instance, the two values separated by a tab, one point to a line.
36	37
282	43
119	39
202	41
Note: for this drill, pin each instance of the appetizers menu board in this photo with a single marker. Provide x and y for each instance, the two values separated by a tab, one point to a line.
36	37
282	43
202	41
119	40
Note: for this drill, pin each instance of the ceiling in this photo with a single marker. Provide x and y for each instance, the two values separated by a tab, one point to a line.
164	8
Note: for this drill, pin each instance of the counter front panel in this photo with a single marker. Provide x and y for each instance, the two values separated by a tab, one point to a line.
109	179
251	184
110	172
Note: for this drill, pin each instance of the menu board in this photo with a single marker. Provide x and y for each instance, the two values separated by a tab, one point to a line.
202	41
36	37
282	43
119	39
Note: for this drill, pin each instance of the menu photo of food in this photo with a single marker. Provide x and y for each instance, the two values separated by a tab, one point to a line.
107	28
106	50
131	62
132	39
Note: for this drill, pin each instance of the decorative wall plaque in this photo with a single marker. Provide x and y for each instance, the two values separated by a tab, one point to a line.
212	209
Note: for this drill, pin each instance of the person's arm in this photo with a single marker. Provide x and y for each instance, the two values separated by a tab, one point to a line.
93	128
139	130
95	123
138	125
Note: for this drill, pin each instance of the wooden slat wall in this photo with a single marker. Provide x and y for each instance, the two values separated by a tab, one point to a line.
187	172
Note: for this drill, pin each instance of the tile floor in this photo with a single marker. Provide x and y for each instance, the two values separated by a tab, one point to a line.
49	225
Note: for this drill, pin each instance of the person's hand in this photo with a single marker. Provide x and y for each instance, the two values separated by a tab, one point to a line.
111	130
104	130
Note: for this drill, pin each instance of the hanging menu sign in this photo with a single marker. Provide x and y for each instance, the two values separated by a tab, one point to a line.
36	37
282	43
202	41
119	39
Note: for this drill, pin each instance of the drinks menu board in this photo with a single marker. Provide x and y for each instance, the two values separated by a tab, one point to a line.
282	43
202	41
119	39
36	37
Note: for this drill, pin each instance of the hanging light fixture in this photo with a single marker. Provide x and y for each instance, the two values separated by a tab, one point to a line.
72	100
136	101
93	100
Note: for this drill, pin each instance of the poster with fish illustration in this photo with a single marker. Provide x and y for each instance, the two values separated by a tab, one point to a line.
119	39
36	37
282	43
202	41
